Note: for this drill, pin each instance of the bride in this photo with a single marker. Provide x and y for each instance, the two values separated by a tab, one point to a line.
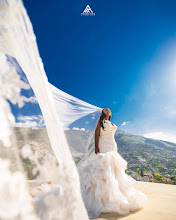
105	186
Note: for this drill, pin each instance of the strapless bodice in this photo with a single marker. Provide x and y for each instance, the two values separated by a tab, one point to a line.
106	139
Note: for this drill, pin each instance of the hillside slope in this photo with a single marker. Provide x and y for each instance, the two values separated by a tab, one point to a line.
140	152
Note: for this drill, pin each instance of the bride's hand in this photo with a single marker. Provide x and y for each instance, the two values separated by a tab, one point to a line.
96	150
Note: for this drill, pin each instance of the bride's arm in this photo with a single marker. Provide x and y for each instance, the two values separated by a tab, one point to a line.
97	134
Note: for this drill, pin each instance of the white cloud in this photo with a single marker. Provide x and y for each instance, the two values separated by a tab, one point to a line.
32	121
160	135
171	110
80	129
87	122
66	129
25	118
125	123
93	116
27	124
32	99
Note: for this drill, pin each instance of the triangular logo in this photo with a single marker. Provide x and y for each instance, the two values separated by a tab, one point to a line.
87	11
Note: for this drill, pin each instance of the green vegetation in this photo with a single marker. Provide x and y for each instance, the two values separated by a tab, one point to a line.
153	157
150	156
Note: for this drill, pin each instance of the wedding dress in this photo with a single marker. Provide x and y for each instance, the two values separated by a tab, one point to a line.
105	186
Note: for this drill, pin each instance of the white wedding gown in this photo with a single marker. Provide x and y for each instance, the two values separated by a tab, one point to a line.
105	186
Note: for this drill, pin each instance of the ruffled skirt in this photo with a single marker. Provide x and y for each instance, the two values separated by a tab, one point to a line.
106	187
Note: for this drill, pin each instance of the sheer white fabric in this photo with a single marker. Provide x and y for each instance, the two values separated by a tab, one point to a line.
104	184
18	40
69	108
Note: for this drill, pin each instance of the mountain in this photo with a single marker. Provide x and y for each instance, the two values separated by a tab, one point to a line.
127	139
140	152
76	139
147	154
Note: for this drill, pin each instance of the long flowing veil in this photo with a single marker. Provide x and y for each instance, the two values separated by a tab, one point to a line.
75	112
38	185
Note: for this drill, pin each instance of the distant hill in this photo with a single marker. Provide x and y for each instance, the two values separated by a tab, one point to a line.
77	139
140	152
129	140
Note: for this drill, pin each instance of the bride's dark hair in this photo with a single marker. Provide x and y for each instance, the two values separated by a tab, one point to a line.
102	117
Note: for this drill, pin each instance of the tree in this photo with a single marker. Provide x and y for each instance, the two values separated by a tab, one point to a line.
157	176
142	173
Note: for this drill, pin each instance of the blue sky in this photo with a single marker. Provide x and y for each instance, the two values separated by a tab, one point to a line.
123	58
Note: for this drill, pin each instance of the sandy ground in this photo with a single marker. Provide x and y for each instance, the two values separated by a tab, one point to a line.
161	204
